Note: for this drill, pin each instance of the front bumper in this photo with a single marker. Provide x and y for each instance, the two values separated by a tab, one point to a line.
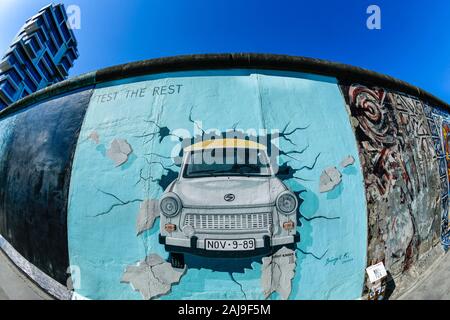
264	246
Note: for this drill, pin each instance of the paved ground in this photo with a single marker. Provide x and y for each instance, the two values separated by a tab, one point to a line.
435	284
14	285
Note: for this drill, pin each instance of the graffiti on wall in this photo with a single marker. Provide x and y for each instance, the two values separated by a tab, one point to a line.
439	121
446	141
190	186
446	214
36	149
403	188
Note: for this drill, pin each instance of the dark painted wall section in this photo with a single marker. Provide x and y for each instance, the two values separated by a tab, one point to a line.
35	169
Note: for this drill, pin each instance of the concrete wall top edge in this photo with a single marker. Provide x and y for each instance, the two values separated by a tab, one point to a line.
344	73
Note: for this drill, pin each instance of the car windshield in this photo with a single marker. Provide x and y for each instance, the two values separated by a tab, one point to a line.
226	162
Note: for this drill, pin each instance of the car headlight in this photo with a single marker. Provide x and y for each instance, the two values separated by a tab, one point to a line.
170	205
286	203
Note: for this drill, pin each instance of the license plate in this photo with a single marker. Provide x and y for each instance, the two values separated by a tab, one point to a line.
230	245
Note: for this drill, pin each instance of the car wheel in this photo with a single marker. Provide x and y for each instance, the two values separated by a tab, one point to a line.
177	260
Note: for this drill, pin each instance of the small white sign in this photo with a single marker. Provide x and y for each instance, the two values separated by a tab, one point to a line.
376	272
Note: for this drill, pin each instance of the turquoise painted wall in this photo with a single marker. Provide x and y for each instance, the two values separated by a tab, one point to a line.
149	114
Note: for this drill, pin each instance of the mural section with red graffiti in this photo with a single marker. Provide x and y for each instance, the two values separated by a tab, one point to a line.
406	189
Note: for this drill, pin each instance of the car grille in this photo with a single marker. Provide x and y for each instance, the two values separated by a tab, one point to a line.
229	222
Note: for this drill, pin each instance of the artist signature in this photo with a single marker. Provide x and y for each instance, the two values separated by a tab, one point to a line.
342	258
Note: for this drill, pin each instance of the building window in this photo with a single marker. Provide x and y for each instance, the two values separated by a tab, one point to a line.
29	83
24	93
35	44
59	15
65	62
12	59
65	32
32	69
14	75
51	46
44	70
71	55
8	88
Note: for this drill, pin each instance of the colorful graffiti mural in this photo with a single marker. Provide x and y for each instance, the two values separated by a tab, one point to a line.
401	175
439	124
224	184
446	140
446	217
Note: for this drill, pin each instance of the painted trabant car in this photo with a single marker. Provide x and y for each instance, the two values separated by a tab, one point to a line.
227	202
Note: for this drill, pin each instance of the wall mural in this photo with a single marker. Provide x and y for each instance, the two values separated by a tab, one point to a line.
403	185
232	184
439	121
446	140
190	186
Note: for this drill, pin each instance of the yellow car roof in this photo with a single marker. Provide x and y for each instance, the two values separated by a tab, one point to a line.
225	143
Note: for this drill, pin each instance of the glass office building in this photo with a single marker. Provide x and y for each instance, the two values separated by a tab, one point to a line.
41	54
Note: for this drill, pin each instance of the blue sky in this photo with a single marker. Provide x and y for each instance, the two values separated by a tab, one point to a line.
413	44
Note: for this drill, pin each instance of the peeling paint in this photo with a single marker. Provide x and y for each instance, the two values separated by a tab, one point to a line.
329	179
152	277
94	137
148	213
119	151
347	162
277	273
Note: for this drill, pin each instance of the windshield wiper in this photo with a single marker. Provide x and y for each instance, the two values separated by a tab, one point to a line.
236	170
201	172
213	173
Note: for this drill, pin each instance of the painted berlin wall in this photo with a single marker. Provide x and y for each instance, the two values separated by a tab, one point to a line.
36	150
406	185
364	172
124	164
439	121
